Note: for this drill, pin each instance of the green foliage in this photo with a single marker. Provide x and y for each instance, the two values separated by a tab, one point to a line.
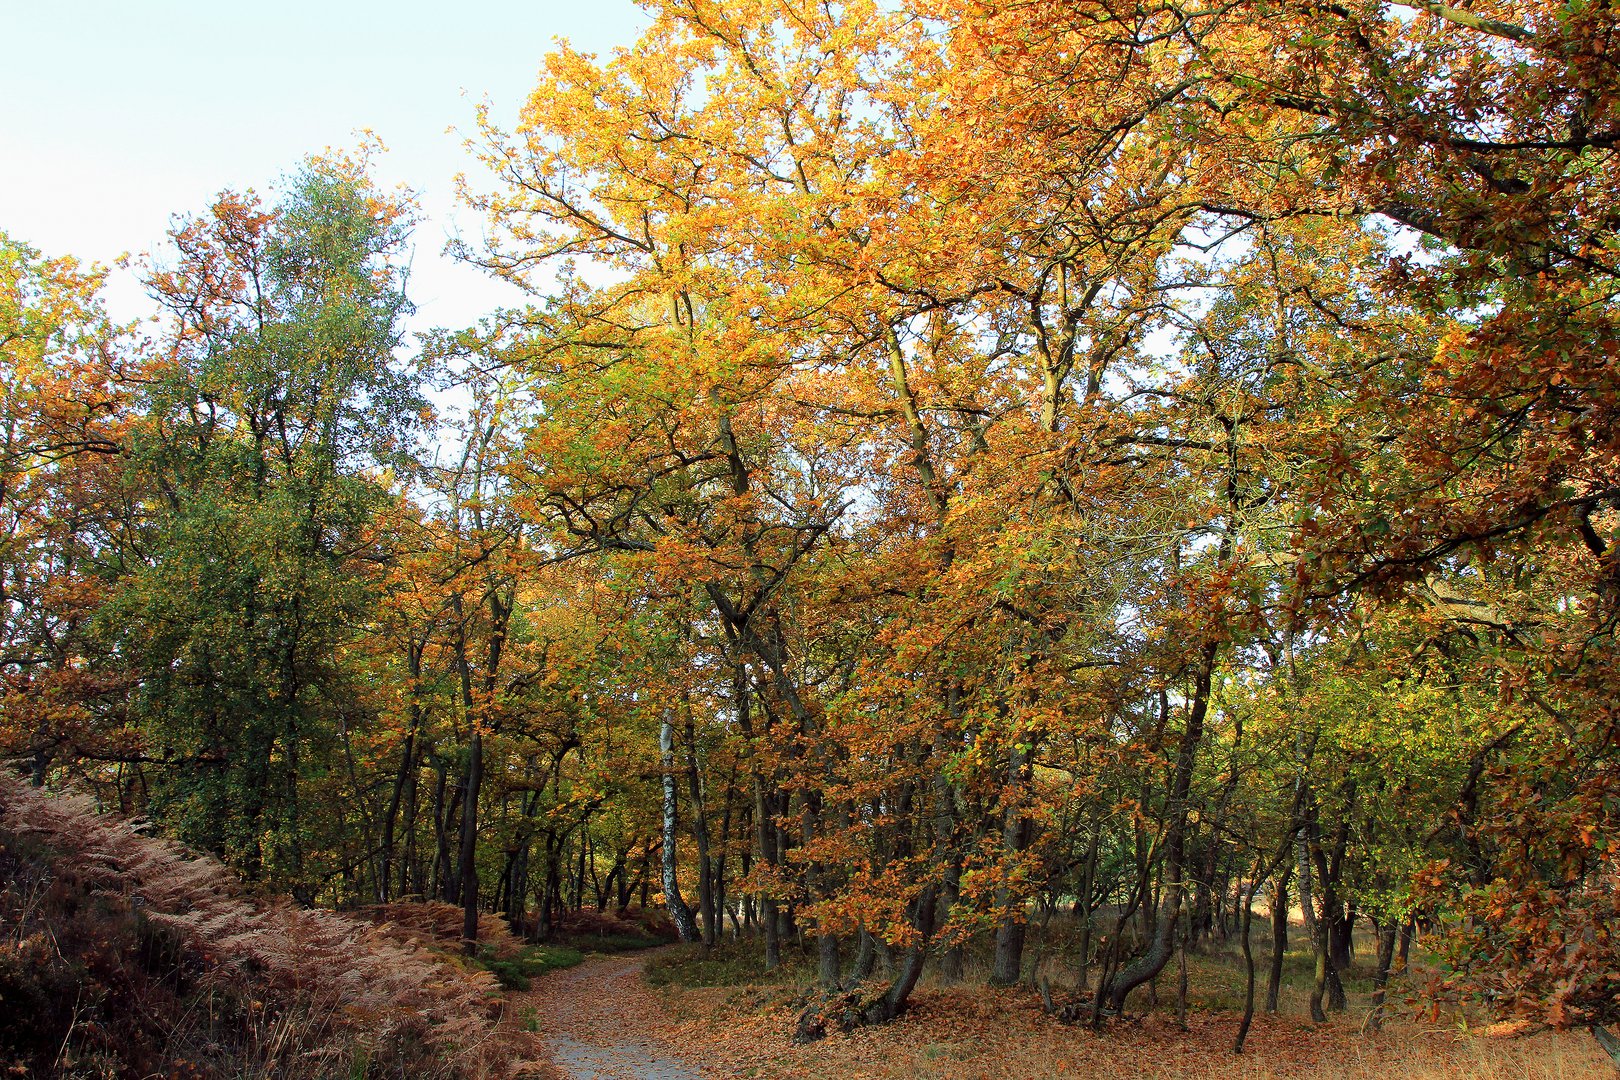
515	972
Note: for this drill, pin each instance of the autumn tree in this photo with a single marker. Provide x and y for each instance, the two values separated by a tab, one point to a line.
63	411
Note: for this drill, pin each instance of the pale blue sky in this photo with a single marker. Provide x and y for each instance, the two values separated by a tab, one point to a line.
115	114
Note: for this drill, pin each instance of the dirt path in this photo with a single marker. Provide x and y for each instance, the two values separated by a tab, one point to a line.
598	1021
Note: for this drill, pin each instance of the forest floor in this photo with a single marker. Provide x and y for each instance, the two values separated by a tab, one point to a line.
980	1034
711	1020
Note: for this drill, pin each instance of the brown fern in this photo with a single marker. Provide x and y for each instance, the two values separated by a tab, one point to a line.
334	989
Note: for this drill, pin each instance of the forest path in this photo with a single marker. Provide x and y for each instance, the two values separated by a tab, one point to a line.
599	1021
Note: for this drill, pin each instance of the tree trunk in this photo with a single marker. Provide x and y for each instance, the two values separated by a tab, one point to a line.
443	868
411	871
700	832
1341	925
945	838
893	1002
1610	1044
763	820
598	897
679	913
1327	880
1015	836
407	767
1324	966
578	897
613	884
1181	974
467	869
828	962
407	761
1386	960
1279	940
922	913
1247	917
1153	961
865	956
1084	903
717	871
1307	894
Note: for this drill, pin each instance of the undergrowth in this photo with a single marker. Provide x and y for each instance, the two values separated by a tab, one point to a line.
124	955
